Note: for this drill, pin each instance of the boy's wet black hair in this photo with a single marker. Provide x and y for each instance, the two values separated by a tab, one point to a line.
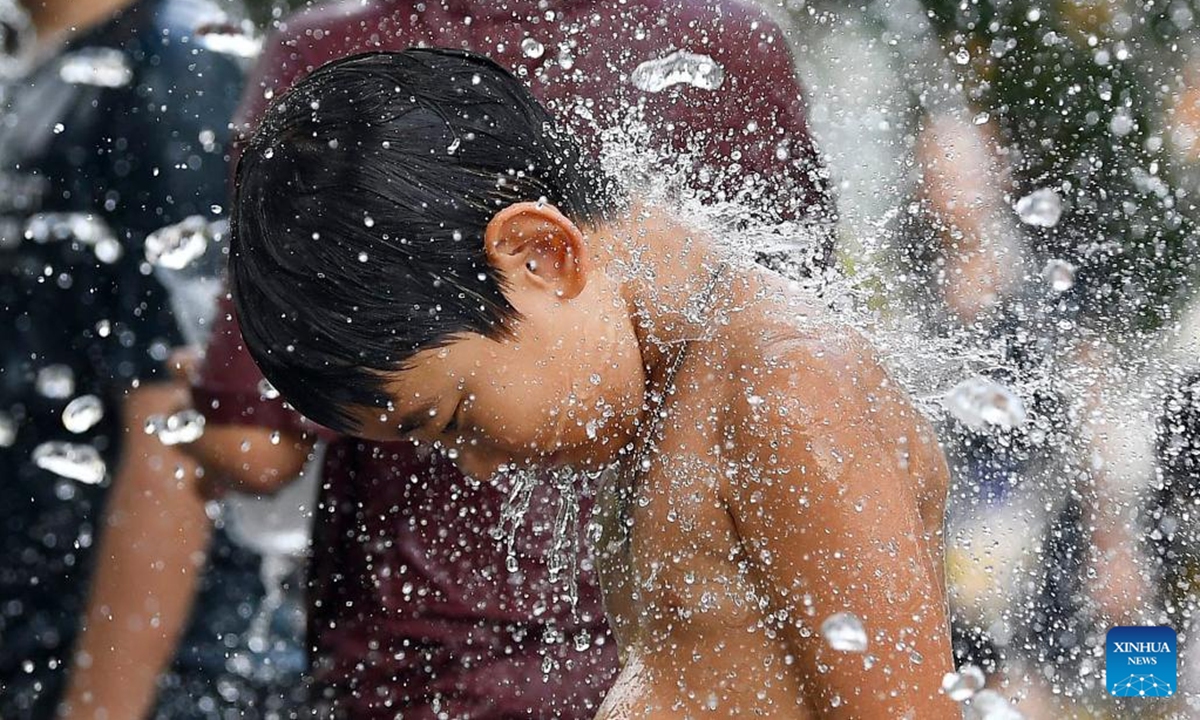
359	214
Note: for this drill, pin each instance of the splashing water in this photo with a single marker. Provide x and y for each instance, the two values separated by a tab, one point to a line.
990	705
562	557
101	67
267	390
189	260
56	382
8	430
83	228
81	463
229	39
178	428
531	48
981	403
962	685
844	632
175	246
1060	275
82	413
678	68
1040	208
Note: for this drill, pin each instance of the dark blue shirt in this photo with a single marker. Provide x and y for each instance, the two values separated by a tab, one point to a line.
121	132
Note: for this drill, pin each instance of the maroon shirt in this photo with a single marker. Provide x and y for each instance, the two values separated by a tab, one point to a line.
413	612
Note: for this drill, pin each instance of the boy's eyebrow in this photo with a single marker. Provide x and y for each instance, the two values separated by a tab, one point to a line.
415	418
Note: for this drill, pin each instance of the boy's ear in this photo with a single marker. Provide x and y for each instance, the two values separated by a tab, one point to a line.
537	246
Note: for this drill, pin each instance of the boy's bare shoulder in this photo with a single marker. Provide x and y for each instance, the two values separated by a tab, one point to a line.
801	374
807	362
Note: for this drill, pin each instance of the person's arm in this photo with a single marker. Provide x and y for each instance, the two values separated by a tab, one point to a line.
155	530
249	459
152	549
834	524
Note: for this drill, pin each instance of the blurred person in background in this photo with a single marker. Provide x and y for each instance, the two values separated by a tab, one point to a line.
115	119
1172	515
1111	241
412	607
1032	215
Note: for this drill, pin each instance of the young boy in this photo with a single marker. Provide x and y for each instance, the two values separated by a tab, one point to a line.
418	253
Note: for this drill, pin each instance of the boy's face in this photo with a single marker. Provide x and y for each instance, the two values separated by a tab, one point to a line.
564	388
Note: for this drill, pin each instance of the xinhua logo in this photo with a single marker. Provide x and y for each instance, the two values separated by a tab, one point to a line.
1141	661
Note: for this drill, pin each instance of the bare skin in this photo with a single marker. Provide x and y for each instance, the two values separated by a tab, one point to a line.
55	18
835	506
151	552
154	543
793	479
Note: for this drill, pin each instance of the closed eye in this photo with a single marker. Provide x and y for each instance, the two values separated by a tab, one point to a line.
452	424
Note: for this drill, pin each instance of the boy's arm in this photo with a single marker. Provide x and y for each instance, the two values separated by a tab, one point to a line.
833	525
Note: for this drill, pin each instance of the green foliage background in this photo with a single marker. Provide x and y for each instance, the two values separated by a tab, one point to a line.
1058	77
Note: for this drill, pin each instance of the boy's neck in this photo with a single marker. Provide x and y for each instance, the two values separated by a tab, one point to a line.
666	265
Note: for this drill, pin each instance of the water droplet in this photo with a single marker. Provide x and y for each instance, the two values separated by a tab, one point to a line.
531	48
81	463
98	66
229	39
56	381
59	128
267	390
583	641
182	427
566	60
363	257
153	424
174	247
962	57
108	251
1060	274
368	221
8	430
453	146
844	631
963	684
979	402
679	67
82	413
1040	208
981	118
1122	123
991	705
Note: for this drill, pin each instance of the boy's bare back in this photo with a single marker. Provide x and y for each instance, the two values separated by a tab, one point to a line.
793	480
